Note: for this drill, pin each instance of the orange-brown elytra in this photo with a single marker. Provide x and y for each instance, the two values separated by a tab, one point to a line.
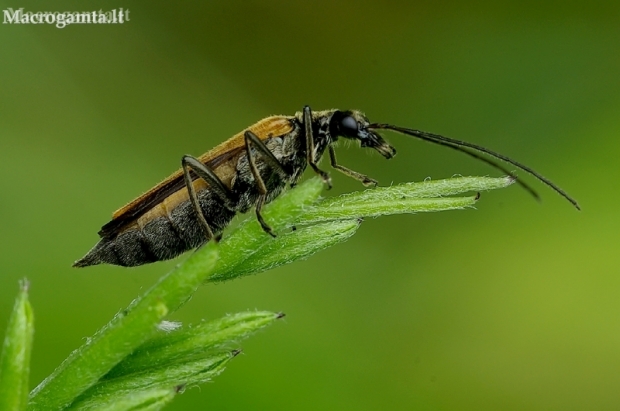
249	170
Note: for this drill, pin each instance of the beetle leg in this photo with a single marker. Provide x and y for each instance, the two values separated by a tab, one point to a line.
251	140
310	147
268	156
367	181
215	184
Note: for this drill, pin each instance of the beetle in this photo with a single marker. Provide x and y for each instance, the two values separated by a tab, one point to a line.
194	205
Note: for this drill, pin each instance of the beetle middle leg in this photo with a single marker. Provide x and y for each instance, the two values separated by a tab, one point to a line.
215	184
364	179
252	140
310	147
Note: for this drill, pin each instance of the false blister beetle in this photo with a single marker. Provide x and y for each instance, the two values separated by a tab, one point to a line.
196	203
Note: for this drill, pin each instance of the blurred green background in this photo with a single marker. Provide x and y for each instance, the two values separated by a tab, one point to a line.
511	306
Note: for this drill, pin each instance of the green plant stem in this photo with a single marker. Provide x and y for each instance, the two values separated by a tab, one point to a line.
121	336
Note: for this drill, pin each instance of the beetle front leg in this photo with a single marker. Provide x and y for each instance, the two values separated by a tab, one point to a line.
364	179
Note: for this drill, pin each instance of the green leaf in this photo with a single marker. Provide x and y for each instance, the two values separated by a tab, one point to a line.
15	358
187	342
150	399
292	246
402	198
178	375
132	327
340	217
280	214
186	357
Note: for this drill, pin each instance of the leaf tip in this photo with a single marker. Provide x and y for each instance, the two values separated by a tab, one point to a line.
24	285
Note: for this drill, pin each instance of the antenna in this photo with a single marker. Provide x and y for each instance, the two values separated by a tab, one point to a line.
462	147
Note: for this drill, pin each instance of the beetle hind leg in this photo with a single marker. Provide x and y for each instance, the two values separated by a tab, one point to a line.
215	184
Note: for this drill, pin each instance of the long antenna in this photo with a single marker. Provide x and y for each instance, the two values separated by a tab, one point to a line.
459	146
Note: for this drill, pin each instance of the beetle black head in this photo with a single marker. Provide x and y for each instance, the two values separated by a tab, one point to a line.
354	125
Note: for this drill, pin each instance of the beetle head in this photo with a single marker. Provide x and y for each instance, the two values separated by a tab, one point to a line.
354	125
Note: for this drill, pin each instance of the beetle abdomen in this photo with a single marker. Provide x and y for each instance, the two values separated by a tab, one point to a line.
161	238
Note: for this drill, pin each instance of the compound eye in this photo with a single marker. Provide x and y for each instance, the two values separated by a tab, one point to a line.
348	126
